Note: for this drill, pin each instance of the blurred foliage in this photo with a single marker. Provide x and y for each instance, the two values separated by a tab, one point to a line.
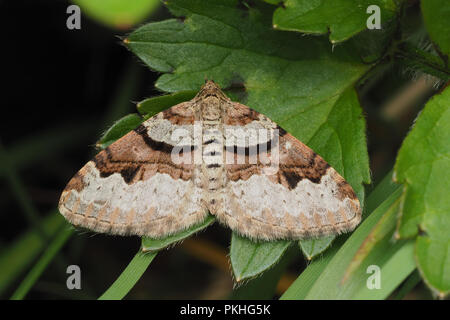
118	14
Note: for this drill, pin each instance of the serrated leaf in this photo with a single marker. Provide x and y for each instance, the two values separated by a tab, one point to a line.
154	105
119	129
308	96
298	82
436	15
149	244
248	258
313	247
423	166
433	259
342	19
119	14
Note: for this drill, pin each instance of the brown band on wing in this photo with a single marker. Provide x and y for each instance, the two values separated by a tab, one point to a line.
281	131
299	162
291	174
179	115
153	144
242	171
296	163
239	115
160	145
288	175
140	161
289	179
344	190
128	173
76	183
253	150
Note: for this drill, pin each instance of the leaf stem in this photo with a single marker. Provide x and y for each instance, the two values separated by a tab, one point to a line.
129	277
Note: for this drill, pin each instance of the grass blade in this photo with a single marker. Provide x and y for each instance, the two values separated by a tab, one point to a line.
410	283
129	277
15	259
301	286
55	245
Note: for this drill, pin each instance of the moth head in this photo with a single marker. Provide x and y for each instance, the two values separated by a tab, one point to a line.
210	88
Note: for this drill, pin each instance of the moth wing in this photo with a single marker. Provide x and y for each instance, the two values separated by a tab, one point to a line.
133	187
295	195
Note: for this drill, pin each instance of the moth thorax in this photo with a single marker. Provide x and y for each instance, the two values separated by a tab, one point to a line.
210	108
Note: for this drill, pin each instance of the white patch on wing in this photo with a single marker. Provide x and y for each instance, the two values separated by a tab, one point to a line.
253	133
167	195
258	193
163	130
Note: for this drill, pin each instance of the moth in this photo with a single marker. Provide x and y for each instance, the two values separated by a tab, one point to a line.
210	155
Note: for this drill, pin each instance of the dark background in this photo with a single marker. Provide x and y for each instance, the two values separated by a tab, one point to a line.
61	90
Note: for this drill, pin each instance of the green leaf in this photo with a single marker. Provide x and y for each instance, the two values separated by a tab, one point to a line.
129	277
301	286
119	129
248	258
119	14
433	259
154	105
423	166
303	86
408	285
314	247
436	15
264	286
149	244
342	19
